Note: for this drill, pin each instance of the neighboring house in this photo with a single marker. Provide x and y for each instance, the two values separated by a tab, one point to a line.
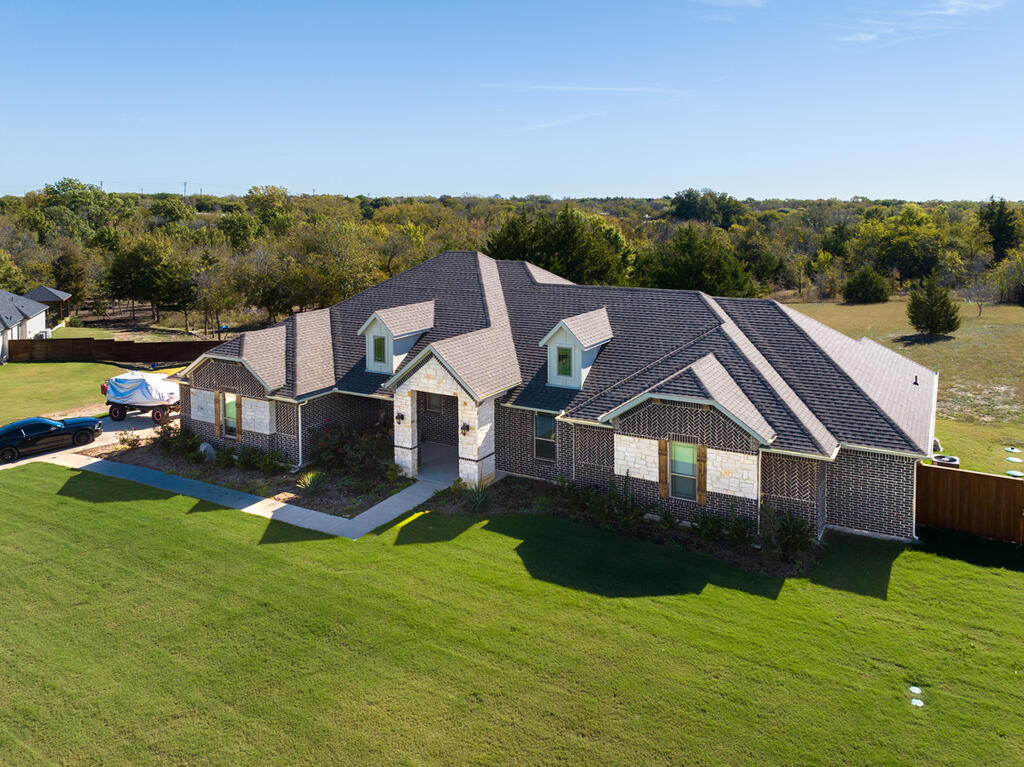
715	404
20	318
57	301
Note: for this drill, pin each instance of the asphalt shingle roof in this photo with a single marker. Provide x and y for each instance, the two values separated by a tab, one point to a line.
799	385
411	318
14	309
43	293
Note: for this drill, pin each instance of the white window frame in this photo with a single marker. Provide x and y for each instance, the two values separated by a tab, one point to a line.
558	362
224	415
672	474
554	437
383	341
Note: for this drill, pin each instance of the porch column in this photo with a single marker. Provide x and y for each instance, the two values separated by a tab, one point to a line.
476	444
407	447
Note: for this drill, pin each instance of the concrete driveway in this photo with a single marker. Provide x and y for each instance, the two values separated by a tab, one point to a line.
141	423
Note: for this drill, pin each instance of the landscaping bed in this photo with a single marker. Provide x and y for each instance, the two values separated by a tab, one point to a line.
337	492
789	551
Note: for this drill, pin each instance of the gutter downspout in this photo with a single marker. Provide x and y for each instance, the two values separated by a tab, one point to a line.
300	433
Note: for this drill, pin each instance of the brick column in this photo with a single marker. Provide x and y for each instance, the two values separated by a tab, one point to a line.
407	447
476	445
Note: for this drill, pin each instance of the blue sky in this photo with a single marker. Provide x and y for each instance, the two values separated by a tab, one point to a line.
918	99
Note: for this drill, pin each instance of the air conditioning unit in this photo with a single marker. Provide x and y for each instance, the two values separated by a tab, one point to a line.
45	333
949	461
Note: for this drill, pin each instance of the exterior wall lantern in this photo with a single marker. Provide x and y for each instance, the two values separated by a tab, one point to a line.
399	417
464	429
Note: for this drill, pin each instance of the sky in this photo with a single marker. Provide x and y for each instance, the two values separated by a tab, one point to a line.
911	99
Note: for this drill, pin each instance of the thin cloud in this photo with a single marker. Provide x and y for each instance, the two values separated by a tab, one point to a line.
916	23
559	121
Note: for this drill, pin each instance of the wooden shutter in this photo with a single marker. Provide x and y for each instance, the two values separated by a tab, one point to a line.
216	414
663	468
702	475
238	418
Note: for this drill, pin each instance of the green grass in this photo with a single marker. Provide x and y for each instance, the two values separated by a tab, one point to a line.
82	332
981	372
34	388
142	628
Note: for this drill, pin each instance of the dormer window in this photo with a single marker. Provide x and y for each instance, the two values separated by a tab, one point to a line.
564	364
391	333
573	345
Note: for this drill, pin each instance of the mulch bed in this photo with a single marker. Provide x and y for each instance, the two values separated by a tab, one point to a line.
516	495
341	496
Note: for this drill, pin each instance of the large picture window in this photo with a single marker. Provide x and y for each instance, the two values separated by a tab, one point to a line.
544	437
683	471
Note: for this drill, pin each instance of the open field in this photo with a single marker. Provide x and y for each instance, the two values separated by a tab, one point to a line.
142	628
36	388
82	332
39	388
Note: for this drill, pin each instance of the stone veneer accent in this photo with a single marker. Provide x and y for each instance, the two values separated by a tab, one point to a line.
476	446
636	457
871	491
732	474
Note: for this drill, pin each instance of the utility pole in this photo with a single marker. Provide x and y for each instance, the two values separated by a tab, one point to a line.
184	189
101	185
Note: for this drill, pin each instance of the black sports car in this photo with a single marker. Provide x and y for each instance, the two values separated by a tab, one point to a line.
34	435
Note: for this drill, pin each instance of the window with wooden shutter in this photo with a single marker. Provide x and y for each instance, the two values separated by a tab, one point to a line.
663	468
702	475
216	414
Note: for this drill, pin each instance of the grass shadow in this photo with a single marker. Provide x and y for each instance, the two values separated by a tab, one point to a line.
919	339
857	564
434	528
282	532
95	487
200	506
606	563
980	552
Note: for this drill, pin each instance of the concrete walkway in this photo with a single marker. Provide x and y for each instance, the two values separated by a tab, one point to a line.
384	512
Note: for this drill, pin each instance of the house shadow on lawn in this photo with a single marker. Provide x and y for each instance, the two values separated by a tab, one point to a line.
857	564
594	560
980	552
282	532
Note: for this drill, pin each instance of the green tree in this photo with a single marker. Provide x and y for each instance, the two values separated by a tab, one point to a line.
70	273
931	310
11	278
240	228
696	259
708	207
866	286
1004	226
173	209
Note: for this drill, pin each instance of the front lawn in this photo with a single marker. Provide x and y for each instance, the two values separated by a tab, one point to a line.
143	628
38	388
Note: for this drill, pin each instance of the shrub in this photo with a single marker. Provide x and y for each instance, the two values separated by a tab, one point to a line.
177	440
344	450
866	286
249	458
710	527
310	482
795	536
479	499
741	531
458	488
129	439
224	458
73	322
769	530
931	310
393	473
270	461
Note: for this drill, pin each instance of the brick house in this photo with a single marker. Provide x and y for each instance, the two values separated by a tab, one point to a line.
704	403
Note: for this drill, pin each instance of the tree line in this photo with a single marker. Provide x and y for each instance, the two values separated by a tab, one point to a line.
272	252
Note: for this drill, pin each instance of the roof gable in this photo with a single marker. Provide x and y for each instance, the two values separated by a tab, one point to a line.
14	309
405	320
590	329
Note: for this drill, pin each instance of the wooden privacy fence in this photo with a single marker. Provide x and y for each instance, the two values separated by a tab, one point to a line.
970	502
88	349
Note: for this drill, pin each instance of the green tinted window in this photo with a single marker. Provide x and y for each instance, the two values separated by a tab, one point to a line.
378	348
683	470
565	361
